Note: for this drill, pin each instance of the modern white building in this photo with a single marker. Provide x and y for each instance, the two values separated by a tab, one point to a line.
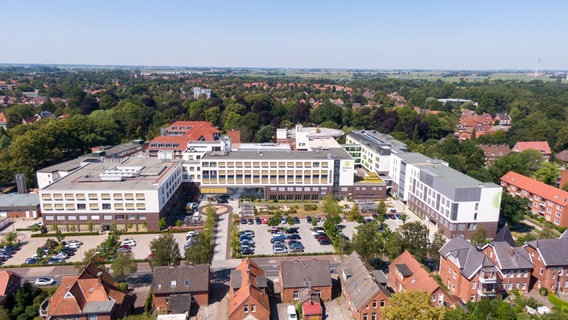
279	175
455	202
372	150
134	192
198	92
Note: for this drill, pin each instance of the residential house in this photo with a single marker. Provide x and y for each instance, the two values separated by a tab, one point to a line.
248	295
494	152
175	287
201	92
563	178
550	260
9	283
467	272
540	146
545	200
20	205
513	263
93	294
298	274
311	304
503	119
561	156
3	119
406	273
364	288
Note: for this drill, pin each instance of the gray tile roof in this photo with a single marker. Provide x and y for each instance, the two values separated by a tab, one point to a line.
236	279
361	286
469	258
299	273
181	279
553	252
179	303
403	269
509	257
504	235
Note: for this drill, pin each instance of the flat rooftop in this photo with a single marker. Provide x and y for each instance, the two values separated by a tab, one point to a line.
417	158
15	200
378	141
316	132
334	153
129	174
452	177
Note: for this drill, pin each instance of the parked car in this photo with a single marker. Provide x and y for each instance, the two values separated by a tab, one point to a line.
44	281
243	221
325	242
320	238
319	233
398	216
72	245
128	241
283	220
80	243
248	233
295	243
69	252
293	236
275	230
223	200
245	247
392	210
309	219
278	238
61	255
247	251
278	244
187	245
291	230
250	221
291	312
30	261
54	260
248	242
257	220
280	250
296	249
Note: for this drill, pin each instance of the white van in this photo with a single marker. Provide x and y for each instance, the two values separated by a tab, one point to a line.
292	313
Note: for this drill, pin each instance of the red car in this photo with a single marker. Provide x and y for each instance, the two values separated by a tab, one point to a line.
320	238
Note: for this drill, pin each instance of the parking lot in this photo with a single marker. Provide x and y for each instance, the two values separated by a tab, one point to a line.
263	234
30	245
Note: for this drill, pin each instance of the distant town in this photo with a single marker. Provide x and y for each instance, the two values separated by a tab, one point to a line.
178	193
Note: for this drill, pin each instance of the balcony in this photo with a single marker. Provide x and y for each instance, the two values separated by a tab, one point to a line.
488	277
487	290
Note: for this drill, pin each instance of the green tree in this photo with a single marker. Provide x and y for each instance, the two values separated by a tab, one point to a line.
265	134
381	209
437	243
479	237
330	205
10	239
367	242
165	251
201	249
91	255
412	304
162	223
415	238
123	266
394	245
548	173
513	209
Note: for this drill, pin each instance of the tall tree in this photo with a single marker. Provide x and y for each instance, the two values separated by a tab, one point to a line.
367	241
415	239
479	237
165	251
412	304
548	173
123	266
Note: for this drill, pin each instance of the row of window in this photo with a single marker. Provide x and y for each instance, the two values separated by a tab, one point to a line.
294	197
92	196
281	164
162	145
94	206
71	217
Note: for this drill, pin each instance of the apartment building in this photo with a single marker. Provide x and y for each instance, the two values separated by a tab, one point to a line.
550	260
455	202
199	92
513	263
372	149
130	192
540	146
467	272
546	201
174	138
364	288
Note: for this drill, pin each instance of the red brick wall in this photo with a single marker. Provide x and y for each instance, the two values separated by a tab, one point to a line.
260	313
288	294
458	286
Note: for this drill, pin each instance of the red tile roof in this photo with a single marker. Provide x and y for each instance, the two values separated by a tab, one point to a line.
311	308
249	287
533	186
184	132
541	146
420	279
5	279
3	118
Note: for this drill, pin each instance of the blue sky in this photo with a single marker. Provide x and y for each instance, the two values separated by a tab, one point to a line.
395	34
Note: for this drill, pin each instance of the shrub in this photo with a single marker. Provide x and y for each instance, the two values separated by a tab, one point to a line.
310	207
543	292
123	286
